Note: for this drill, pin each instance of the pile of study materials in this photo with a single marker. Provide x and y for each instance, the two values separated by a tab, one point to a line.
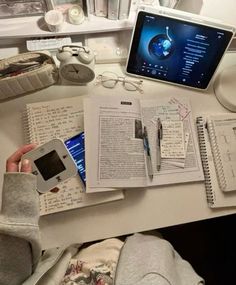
129	143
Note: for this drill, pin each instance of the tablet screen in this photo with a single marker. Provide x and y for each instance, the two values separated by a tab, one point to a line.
176	51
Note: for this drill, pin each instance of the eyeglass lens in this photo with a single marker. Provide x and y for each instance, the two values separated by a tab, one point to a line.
109	79
130	86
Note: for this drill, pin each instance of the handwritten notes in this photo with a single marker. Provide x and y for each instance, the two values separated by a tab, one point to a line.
167	112
57	119
173	140
48	121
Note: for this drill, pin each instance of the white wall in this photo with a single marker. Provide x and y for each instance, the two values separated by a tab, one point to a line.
224	10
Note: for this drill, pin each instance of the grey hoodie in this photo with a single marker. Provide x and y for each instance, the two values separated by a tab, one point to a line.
144	259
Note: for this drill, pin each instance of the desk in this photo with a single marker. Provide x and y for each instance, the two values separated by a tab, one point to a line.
142	209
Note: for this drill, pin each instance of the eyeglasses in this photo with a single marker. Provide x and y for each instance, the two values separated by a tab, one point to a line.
109	80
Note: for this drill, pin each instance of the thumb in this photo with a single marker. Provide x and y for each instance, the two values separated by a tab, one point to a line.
26	166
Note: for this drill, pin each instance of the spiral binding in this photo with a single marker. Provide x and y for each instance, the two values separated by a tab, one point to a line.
203	152
216	156
27	125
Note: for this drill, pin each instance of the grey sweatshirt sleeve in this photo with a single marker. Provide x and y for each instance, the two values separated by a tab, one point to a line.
19	232
151	260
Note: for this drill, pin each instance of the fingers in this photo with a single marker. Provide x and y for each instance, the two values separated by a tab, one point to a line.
12	164
26	166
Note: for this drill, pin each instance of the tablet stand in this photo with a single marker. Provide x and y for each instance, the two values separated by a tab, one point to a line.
225	86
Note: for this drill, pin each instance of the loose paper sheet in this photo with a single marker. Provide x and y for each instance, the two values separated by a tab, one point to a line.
172	142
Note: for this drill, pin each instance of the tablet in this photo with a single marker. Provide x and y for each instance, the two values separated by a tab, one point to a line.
177	47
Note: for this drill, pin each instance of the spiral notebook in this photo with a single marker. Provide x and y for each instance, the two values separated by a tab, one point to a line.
62	118
217	142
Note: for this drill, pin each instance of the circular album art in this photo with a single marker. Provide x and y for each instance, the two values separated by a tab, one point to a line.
161	46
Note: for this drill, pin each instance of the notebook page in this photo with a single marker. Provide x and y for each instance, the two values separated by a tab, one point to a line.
225	136
216	198
63	119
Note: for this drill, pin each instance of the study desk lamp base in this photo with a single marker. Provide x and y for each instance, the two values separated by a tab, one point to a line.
225	88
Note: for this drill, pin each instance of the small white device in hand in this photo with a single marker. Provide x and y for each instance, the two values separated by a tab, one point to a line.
51	163
76	64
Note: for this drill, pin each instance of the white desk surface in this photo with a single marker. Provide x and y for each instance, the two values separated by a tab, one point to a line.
141	210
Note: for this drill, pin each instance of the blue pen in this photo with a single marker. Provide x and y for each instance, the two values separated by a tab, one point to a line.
147	153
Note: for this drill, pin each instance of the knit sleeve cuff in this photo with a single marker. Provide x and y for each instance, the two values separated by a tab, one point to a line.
20	200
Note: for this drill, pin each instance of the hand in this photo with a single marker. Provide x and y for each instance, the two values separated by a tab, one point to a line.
13	162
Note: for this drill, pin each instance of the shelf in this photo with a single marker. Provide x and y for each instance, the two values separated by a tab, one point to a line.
28	27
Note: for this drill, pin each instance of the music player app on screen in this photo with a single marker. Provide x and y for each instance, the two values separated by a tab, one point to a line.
176	51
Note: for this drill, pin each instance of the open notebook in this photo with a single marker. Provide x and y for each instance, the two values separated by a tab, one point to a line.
217	141
118	156
63	119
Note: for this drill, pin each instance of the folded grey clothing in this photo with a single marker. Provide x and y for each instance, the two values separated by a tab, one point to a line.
95	264
150	260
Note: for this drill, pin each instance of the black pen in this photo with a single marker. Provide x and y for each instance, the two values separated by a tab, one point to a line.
148	153
159	137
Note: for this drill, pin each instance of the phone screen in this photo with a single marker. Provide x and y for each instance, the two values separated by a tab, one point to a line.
75	145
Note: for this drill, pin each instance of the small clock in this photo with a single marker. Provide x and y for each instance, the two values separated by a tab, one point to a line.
76	64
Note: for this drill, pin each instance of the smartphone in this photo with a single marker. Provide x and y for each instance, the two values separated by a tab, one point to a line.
75	145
